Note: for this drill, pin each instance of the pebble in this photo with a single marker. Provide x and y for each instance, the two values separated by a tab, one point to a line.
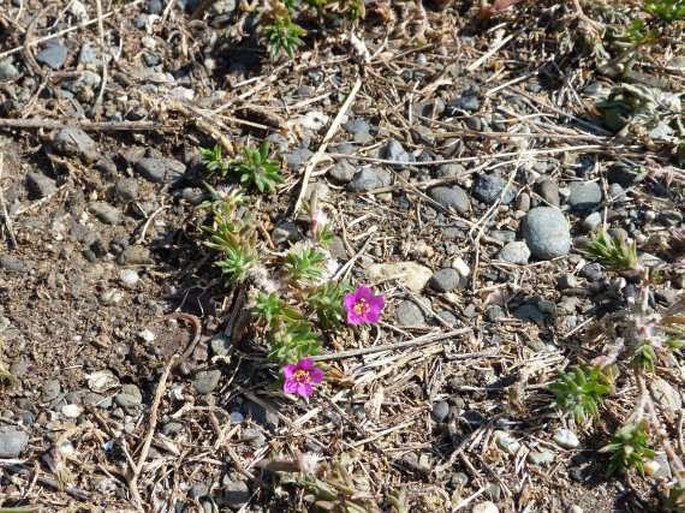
412	275
448	317
254	437
584	196
566	438
220	345
51	390
236	493
547	233
160	170
135	255
105	212
461	267
395	151
129	277
286	231
540	457
360	130
592	222
54	54
342	172
485	507
409	313
12	442
297	158
567	281
667	396
495	313
516	252
206	381
39	185
74	142
12	264
575	509
72	411
549	191
126	189
446	280
440	411
8	71
450	171
523	202
129	397
507	442
87	54
592	271
451	197
468	101
488	188
369	178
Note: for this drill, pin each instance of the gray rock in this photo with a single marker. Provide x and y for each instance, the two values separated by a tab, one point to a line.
495	313
523	202
451	197
39	185
254	437
129	397
342	171
74	142
126	189
236	417
530	312
488	188
154	7
446	280
51	390
12	442
666	395
360	130
540	457
566	438
409	313
105	212
567	281
616	193
87	54
220	345
129	278
592	271
448	317
468	102
440	411
206	381
507	442
12	264
515	253
395	151
297	158
198	490
549	191
236	493
135	255
547	233
485	507
450	171
54	54
286	231
160	170
370	178
592	222
585	196
504	236
8	71
84	85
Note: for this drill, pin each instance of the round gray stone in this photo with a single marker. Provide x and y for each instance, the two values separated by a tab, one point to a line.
75	142
54	54
368	179
105	212
451	197
409	313
549	190
585	196
12	442
160	170
445	280
206	381
516	252
488	188
39	185
547	233
8	71
440	411
342	172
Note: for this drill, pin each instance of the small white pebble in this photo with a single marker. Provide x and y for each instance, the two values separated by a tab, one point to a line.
485	507
461	267
129	277
651	467
147	335
71	410
111	297
575	509
566	438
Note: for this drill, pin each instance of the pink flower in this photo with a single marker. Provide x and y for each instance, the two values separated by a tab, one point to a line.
301	377
363	305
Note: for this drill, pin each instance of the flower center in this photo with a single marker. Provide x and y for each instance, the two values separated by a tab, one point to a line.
362	307
302	376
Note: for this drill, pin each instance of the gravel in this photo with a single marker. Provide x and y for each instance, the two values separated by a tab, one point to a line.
369	178
395	151
342	172
12	442
129	397
440	411
547	233
592	222
566	438
408	313
549	191
126	189
488	188
584	196
160	170
105	212
446	280
54	54
516	252
451	197
8	71
39	185
75	142
205	382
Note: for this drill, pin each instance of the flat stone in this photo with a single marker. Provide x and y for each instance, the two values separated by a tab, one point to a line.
584	196
129	397
342	171
446	280
451	197
409	313
105	212
369	178
160	170
566	438
488	189
360	130
592	222
485	507
206	381
74	142
507	442
8	71
440	411
54	54
666	395
412	275
549	191
126	189
12	264
547	233
516	252
135	255
39	185
395	151
540	457
12	442
236	493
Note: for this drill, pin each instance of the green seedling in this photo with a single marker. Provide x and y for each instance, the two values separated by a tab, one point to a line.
256	169
580	392
326	301
306	265
644	357
613	252
273	312
283	35
213	160
294	341
668	11
629	449
237	262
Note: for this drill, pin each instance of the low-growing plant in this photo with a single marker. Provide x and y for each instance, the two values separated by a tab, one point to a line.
283	36
305	265
236	262
214	161
257	169
613	252
294	341
580	392
629	449
668	11
326	301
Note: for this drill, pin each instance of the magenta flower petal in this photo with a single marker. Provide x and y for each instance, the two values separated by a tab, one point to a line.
363	306
290	387
305	389
305	364
289	370
300	378
317	375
